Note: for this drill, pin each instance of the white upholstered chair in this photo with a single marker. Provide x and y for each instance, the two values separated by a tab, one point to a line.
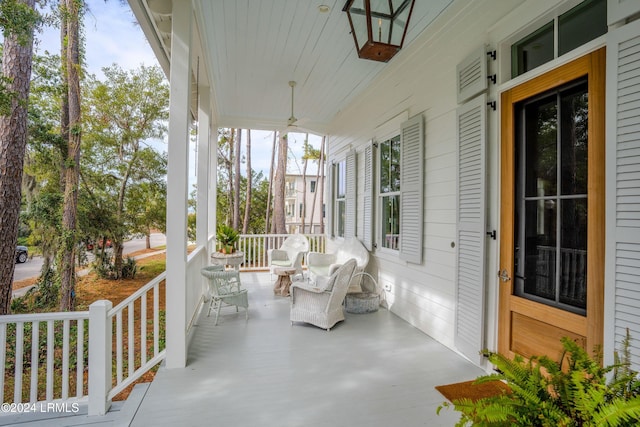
290	254
322	266
322	307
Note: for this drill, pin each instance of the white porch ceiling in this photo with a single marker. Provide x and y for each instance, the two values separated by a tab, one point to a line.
252	49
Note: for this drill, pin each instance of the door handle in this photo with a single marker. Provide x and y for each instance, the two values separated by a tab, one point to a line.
504	275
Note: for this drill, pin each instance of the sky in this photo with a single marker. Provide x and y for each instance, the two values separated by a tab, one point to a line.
113	36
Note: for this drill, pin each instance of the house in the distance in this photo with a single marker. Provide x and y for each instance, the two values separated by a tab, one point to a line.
304	202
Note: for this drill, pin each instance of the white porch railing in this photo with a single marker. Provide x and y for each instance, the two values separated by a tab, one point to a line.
94	355
44	348
255	247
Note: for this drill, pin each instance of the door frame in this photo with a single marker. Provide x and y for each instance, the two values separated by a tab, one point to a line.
591	326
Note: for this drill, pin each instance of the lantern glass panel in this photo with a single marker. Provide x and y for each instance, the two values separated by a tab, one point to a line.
359	20
399	24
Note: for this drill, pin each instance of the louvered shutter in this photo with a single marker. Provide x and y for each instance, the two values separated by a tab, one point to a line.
623	185
619	10
330	199
367	205
411	189
471	129
471	75
350	195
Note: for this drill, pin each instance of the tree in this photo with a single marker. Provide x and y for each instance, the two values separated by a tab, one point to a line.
71	164
122	113
279	221
309	153
319	189
18	19
271	169
236	181
247	206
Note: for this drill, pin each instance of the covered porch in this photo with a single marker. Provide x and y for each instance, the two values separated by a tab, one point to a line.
371	369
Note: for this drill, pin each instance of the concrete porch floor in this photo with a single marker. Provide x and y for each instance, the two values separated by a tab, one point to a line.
370	370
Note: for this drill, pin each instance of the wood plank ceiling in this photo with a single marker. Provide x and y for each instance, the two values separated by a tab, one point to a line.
252	49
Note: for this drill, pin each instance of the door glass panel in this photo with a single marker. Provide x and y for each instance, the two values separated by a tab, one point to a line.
574	110
540	247
541	133
551	225
573	253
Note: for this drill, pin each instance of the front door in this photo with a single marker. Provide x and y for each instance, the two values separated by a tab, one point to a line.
551	274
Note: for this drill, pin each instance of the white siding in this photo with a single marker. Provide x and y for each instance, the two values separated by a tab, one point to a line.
422	80
623	188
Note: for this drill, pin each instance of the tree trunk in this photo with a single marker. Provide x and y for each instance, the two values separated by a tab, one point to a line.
271	169
323	180
304	183
72	163
232	141
236	182
148	240
16	66
315	194
247	205
279	225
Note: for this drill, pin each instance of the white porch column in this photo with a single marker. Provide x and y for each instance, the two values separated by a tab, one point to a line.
212	183
204	146
177	183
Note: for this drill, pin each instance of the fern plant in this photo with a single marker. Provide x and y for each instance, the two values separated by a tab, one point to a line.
572	392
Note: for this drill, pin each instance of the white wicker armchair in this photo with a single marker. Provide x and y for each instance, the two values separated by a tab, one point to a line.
322	307
290	254
225	288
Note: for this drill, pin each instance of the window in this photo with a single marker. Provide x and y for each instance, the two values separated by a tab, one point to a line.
341	192
312	186
389	192
580	25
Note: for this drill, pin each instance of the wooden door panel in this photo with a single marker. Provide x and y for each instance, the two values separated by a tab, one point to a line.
525	326
532	337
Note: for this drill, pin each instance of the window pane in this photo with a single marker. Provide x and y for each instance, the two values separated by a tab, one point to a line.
540	248
532	51
391	222
574	109
581	24
340	180
573	253
541	157
385	169
340	215
395	164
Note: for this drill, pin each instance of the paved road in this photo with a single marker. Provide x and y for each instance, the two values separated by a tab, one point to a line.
32	267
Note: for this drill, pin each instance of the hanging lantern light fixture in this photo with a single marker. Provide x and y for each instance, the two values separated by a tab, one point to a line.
378	26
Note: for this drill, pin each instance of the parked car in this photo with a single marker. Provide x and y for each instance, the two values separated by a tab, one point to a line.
22	254
91	244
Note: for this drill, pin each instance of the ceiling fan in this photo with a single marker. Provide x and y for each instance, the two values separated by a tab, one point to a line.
293	124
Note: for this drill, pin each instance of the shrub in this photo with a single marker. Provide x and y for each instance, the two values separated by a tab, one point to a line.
573	392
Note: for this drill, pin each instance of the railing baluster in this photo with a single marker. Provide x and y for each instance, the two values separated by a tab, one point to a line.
143	329
3	343
80	359
35	344
131	336
65	359
50	351
119	347
156	320
17	388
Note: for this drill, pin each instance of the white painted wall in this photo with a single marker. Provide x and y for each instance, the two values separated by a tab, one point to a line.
421	80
